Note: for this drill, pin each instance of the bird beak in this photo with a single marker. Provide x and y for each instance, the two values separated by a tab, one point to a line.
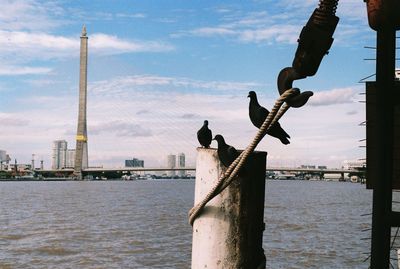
248	96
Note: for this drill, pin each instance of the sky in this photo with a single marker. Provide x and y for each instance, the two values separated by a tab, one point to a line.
158	69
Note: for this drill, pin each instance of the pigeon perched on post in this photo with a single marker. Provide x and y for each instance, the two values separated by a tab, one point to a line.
226	153
204	135
258	114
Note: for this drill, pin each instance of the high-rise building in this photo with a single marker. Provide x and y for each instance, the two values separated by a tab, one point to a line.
171	163
59	154
3	159
134	163
70	163
181	164
3	155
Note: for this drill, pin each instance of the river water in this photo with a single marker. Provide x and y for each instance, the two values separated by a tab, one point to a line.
143	224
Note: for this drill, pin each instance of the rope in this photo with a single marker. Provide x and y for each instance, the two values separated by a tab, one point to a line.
225	179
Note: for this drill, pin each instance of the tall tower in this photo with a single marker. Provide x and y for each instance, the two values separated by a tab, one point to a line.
81	153
171	163
181	164
59	154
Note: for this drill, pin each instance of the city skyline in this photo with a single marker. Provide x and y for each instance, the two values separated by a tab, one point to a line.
154	75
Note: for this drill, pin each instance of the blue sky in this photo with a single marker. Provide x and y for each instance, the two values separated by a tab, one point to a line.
157	69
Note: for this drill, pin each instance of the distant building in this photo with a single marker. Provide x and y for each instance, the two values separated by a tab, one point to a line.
322	167
354	164
3	155
59	154
171	163
70	158
134	163
4	160
181	164
21	167
307	166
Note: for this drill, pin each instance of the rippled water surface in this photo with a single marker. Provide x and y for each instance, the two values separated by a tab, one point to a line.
143	224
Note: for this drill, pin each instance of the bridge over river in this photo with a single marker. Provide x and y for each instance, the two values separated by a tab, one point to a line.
100	171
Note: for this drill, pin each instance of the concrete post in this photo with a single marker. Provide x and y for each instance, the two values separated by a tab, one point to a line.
228	232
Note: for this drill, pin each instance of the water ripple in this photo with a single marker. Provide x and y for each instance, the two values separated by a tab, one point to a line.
143	224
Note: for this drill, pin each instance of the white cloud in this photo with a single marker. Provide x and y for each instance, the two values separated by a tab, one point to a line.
125	85
42	82
270	27
107	44
295	4
352	10
36	45
30	15
349	9
251	27
133	15
120	128
352	112
335	96
150	117
12	120
255	19
150	124
316	131
42	45
23	70
212	31
273	34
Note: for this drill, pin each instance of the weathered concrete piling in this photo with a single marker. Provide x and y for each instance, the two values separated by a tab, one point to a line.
228	232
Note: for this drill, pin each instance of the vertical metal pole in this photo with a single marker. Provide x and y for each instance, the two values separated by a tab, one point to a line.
33	162
382	193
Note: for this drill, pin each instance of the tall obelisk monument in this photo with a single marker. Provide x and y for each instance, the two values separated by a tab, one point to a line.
81	152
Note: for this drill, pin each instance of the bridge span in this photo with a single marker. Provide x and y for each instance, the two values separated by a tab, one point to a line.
158	169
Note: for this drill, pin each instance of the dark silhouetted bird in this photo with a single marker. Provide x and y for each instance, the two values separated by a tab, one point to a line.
226	153
258	114
204	135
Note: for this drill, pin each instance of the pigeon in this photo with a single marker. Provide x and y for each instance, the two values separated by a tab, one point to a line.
226	153
204	135
258	114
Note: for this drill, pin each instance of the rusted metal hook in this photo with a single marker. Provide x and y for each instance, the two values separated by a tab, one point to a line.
285	81
314	42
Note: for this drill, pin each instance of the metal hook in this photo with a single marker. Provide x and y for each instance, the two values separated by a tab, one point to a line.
285	82
314	42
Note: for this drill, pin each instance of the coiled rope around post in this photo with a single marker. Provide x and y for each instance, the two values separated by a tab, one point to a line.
276	113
